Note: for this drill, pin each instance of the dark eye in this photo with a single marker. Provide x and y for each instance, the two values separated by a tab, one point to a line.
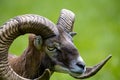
51	48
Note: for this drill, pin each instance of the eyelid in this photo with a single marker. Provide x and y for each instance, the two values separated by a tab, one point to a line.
55	46
51	48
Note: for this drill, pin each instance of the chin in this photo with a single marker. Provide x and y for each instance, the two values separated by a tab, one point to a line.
76	74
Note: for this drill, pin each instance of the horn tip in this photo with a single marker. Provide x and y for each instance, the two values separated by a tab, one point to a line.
67	11
109	57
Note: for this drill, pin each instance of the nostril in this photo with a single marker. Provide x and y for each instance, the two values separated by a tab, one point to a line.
81	65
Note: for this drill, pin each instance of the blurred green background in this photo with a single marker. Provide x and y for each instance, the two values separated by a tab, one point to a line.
97	25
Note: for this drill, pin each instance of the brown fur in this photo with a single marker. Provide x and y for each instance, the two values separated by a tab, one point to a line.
29	63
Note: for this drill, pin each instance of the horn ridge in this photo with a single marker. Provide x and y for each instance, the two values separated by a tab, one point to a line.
18	26
66	20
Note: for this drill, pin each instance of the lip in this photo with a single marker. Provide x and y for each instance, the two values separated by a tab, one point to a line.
77	70
77	73
61	69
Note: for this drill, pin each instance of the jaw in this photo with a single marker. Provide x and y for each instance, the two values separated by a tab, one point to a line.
61	69
89	72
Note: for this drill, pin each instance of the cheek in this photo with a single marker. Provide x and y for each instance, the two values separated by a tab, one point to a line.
59	56
51	54
64	58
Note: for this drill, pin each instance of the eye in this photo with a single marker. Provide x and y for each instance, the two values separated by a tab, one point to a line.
51	48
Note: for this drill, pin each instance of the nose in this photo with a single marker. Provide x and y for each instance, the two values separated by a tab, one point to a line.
81	65
78	68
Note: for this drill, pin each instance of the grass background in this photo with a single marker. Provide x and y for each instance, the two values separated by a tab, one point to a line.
97	25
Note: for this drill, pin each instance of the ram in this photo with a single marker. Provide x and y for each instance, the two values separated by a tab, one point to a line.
50	49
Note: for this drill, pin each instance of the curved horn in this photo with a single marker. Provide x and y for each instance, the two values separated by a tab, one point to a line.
66	20
15	27
90	71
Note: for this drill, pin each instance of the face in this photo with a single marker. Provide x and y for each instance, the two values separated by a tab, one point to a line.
64	54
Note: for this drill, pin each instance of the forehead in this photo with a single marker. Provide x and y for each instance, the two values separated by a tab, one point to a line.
65	37
61	38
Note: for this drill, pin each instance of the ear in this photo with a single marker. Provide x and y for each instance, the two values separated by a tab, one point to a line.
72	34
38	42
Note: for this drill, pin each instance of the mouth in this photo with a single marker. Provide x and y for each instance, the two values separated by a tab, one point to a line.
73	72
84	73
